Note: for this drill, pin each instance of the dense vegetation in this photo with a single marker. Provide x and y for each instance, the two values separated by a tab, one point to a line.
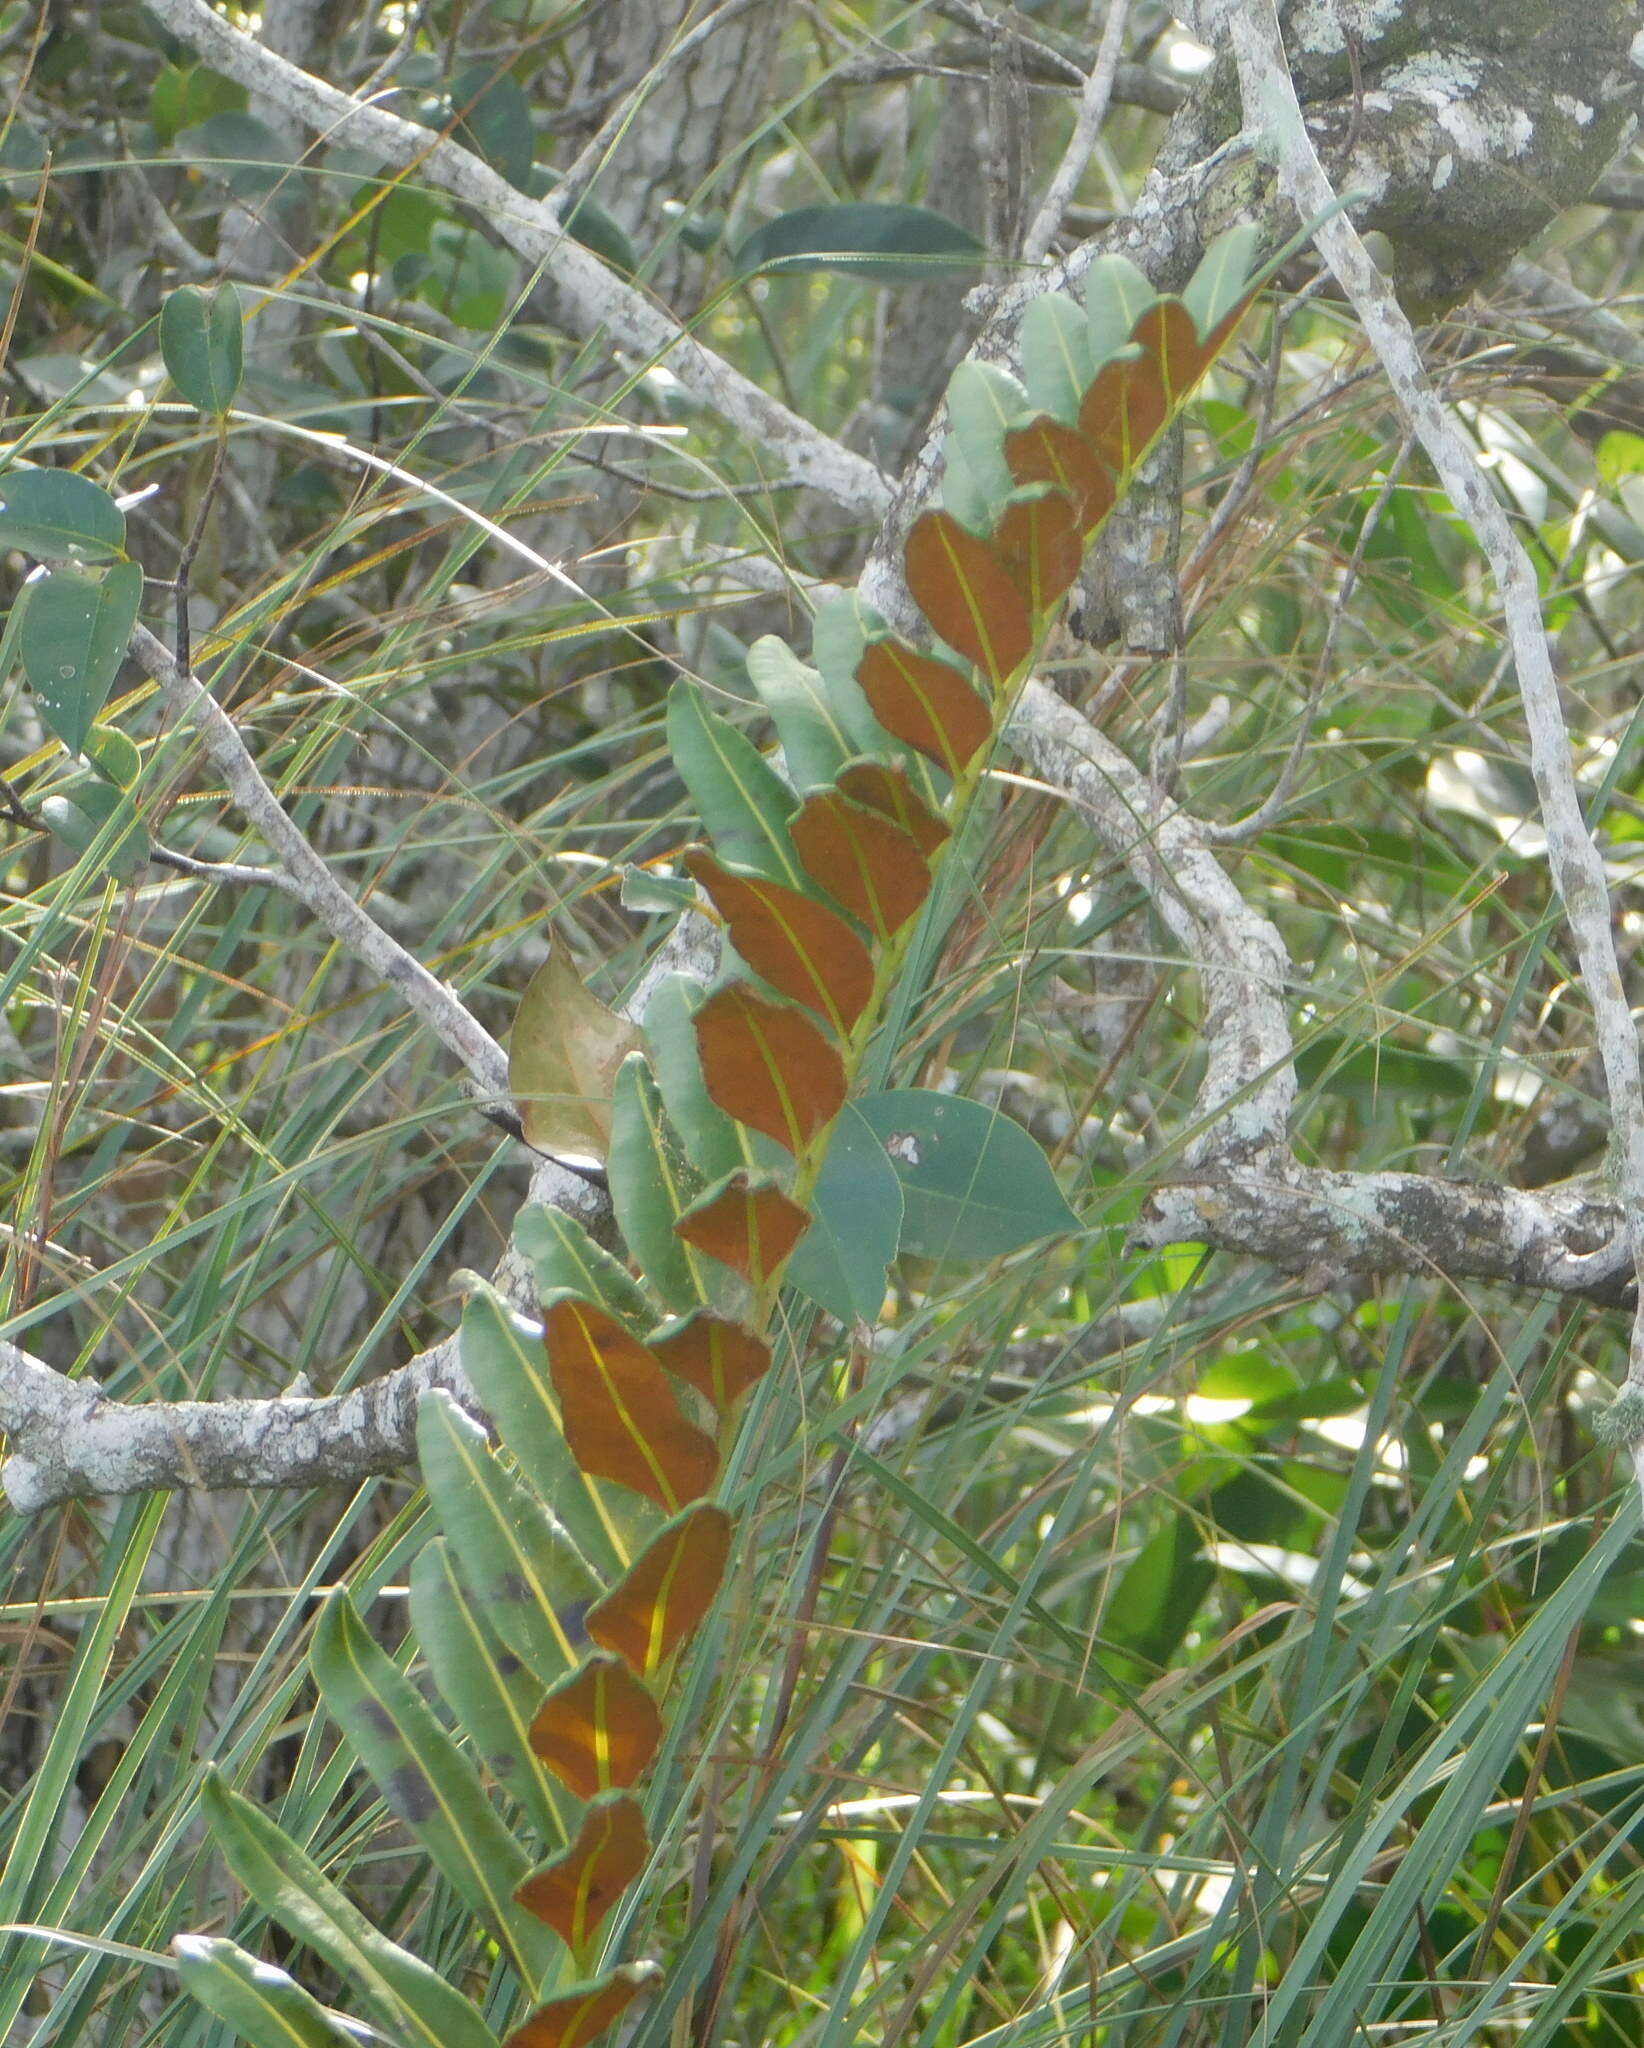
1163	1583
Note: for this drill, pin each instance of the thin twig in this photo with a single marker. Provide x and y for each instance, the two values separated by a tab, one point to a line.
432	1000
191	547
1087	130
233	874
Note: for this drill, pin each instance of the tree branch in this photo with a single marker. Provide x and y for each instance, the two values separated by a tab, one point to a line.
1271	107
1241	1189
437	1004
592	297
67	1438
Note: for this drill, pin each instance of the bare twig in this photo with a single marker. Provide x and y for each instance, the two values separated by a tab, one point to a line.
1087	129
432	1000
226	873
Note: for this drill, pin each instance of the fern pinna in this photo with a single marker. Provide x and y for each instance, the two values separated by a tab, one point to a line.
745	1155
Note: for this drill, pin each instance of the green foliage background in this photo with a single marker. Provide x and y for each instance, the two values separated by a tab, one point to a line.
1149	1645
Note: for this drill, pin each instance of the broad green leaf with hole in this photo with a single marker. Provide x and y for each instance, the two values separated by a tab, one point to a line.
490	1691
202	340
265	2007
505	1359
74	635
856	1226
59	516
427	1781
412	2002
974	1184
742	801
518	1562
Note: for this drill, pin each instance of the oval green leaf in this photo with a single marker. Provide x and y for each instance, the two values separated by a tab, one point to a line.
72	640
974	1184
60	516
202	339
263	2005
857	1224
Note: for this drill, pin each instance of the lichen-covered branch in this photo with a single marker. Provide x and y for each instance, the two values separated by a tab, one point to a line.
1239	1187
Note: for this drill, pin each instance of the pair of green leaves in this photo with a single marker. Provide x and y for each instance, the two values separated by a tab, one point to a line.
72	624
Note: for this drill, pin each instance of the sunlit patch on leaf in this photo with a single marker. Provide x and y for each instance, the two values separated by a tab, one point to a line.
803	949
721	1359
768	1066
669	1590
582	2014
747	1224
574	1891
621	1419
598	1729
925	702
863	860
563	1058
965	590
